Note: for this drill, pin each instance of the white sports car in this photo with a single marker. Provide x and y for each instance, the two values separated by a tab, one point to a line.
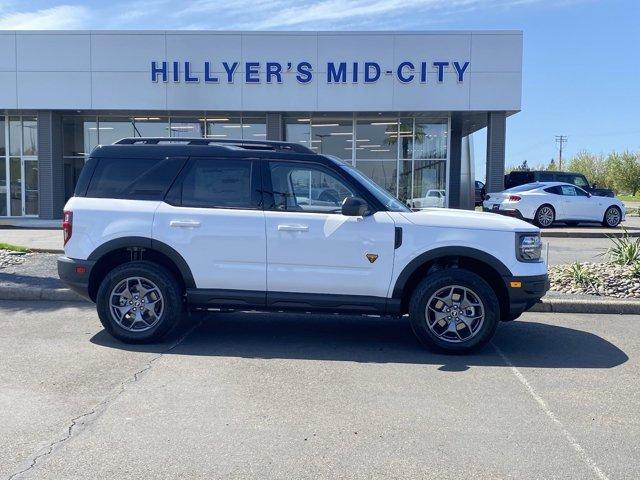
546	202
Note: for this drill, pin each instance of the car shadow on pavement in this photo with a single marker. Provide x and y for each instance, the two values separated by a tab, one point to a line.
378	340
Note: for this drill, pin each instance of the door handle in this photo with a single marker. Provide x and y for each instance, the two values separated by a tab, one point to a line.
293	228
184	223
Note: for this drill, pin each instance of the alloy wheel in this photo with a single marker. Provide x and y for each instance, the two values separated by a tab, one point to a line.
545	216
136	304
612	216
455	313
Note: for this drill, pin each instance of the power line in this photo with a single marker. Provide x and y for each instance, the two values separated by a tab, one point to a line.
560	141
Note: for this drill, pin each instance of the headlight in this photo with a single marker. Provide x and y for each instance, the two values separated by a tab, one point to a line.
528	247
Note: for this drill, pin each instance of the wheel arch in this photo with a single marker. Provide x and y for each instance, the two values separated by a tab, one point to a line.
485	265
127	249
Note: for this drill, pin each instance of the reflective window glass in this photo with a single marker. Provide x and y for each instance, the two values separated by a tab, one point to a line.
187	127
224	127
254	128
219	183
3	143
3	187
79	135
31	187
376	139
428	176
298	129
15	187
29	136
382	172
112	129
151	126
430	139
332	136
15	136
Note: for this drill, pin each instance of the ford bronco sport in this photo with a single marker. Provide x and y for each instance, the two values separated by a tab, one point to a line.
158	225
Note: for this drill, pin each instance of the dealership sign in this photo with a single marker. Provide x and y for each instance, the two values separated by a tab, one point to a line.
274	72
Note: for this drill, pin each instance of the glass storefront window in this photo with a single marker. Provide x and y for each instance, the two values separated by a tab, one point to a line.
376	139
298	129
151	126
430	181
332	136
431	139
112	129
383	172
3	143
224	127
15	136
3	185
404	181
80	135
29	136
254	128
187	127
15	187
31	187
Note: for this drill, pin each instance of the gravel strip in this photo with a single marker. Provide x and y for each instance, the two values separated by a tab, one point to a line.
30	270
601	279
10	258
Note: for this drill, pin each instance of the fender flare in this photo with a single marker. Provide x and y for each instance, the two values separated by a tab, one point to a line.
441	252
143	242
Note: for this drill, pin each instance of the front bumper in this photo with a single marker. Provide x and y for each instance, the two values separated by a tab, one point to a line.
75	274
524	292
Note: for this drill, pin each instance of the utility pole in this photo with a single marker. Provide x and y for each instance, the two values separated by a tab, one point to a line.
560	141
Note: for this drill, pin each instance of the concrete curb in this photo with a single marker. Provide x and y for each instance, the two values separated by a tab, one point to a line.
562	305
557	305
38	293
587	234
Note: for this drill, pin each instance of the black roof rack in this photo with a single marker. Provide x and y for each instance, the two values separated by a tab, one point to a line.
248	144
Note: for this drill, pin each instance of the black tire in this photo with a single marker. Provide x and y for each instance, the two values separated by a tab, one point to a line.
609	220
171	295
540	218
439	281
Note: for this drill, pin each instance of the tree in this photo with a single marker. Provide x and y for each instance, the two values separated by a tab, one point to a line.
594	167
523	167
624	171
552	166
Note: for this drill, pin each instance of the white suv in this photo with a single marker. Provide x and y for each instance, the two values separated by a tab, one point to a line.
160	225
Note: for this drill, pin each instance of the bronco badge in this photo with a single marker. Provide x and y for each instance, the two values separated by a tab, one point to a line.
372	257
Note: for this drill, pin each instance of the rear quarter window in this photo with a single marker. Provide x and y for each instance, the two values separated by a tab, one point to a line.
133	178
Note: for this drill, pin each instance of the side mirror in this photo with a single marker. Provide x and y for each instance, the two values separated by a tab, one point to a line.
594	185
354	207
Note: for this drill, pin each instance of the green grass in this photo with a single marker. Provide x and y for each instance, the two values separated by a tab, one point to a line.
629	198
13	248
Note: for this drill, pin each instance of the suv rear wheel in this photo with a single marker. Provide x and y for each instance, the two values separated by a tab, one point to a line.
454	311
139	302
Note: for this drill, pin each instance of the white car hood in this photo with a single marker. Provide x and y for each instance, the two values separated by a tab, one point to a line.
452	218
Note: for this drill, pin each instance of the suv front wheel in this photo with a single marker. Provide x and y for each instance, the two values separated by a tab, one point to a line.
454	310
139	302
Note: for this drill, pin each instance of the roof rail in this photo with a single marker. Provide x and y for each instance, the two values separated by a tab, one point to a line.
248	144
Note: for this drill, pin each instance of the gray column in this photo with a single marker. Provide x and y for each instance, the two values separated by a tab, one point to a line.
496	134
274	126
50	165
455	157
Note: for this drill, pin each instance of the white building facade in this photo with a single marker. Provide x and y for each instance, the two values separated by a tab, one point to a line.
397	105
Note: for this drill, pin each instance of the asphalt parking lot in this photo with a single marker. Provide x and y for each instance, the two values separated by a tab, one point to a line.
248	395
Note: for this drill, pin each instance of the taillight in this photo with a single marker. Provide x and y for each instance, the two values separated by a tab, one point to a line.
514	198
67	225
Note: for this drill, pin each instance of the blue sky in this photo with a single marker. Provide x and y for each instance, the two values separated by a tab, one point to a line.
581	72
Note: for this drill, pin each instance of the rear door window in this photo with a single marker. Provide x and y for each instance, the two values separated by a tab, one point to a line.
133	178
219	183
580	181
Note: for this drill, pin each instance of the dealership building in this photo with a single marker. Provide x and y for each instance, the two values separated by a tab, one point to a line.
399	106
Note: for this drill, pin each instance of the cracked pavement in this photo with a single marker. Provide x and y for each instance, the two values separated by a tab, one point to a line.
249	395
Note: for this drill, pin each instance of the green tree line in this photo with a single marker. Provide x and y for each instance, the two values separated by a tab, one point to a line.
618	171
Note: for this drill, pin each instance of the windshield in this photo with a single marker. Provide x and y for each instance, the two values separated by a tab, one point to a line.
388	200
523	188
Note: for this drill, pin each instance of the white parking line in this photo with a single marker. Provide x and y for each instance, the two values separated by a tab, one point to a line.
554	418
